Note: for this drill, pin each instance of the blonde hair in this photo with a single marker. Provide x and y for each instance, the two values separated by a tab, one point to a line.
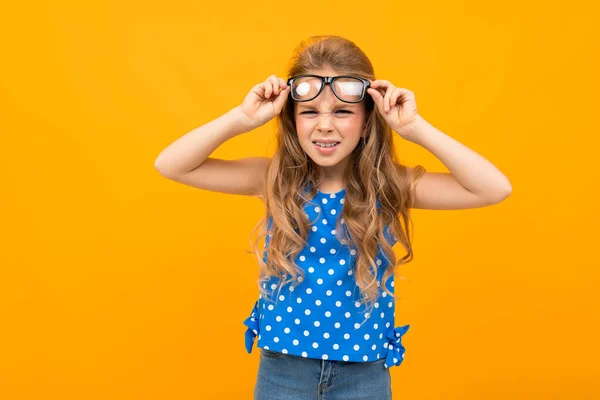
372	175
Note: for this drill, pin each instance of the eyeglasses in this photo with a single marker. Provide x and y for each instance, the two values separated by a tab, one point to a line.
349	89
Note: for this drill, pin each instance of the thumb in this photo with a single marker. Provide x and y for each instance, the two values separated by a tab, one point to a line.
377	97
281	97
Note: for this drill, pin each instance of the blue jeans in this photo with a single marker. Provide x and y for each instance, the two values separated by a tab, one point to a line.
287	377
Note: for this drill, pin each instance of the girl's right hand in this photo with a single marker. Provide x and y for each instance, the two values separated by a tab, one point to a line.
265	100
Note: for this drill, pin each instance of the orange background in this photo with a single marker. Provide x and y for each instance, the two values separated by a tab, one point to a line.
117	283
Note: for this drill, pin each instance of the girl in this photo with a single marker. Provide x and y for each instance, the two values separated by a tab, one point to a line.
336	202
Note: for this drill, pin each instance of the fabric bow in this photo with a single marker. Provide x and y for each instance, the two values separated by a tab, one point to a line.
252	323
395	352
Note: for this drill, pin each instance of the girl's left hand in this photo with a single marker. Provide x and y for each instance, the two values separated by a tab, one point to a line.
397	106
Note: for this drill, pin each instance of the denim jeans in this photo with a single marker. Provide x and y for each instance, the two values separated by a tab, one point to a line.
287	377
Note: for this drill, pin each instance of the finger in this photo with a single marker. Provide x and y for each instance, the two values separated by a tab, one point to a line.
394	97
275	82
268	88
386	99
282	83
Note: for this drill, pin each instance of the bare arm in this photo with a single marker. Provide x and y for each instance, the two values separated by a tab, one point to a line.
187	159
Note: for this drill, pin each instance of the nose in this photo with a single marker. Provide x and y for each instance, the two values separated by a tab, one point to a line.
324	123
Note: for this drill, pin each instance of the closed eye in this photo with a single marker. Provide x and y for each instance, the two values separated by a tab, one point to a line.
338	111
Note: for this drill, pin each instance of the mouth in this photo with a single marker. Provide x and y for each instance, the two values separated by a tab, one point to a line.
326	144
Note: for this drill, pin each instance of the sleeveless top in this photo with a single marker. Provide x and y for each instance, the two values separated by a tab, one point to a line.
320	316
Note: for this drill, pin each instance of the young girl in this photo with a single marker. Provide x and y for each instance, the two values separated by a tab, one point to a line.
336	201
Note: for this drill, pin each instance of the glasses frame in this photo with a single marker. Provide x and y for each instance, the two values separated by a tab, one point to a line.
329	80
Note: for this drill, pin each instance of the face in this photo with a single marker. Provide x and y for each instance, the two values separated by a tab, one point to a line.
328	128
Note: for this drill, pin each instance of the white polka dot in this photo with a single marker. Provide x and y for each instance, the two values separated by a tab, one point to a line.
392	284
296	342
395	360
302	258
299	300
308	291
317	209
381	336
384	294
356	325
297	321
327	314
270	307
282	297
348	293
387	325
333	212
374	347
314	228
376	305
333	232
306	333
307	312
326	335
266	347
347	315
338	303
376	326
342	201
291	288
337	325
342	262
339	283
312	249
324	356
353	252
367	336
350	272
287	330
323	240
356	347
346	336
268	327
276	339
331	272
311	269
357	304
346	358
289	309
304	354
278	318
318	302
284	351
385	345
315	345
320	281
378	261
390	304
329	293
317	324
300	279
322	260
332	251
382	315
324	221
273	286
324	201
365	358
336	346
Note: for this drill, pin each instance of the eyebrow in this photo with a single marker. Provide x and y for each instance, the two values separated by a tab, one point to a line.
309	106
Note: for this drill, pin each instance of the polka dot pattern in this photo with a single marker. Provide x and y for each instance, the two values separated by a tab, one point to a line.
323	317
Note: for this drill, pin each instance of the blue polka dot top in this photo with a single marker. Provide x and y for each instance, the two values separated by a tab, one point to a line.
320	316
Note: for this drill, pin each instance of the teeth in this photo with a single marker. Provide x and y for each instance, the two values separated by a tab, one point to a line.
326	144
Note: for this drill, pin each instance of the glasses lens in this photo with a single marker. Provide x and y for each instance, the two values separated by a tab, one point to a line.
349	89
305	88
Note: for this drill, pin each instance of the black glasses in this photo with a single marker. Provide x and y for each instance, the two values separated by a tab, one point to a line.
349	89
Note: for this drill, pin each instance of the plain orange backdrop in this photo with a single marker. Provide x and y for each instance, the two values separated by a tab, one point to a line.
116	283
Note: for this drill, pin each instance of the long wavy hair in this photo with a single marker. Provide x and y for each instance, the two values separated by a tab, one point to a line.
372	174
